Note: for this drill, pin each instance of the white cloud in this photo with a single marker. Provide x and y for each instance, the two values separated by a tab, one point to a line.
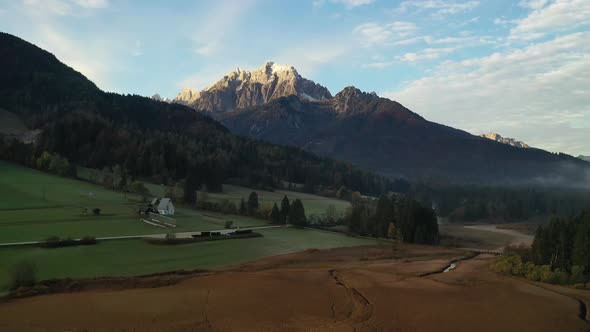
349	4
93	61
533	4
137	49
353	3
426	54
214	29
63	7
561	15
54	7
535	94
92	3
440	7
307	56
375	33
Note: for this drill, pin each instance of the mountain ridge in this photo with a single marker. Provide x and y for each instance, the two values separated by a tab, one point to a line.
505	140
244	88
384	136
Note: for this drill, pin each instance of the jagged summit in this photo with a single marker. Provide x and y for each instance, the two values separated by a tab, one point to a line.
159	98
243	88
506	140
186	96
351	99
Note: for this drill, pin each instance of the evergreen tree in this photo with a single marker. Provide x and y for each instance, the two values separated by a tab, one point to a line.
285	205
275	215
243	209
253	203
297	214
190	189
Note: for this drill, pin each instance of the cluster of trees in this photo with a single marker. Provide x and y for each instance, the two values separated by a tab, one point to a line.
560	252
393	216
471	203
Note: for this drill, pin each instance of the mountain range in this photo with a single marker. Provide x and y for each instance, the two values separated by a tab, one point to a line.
168	141
274	103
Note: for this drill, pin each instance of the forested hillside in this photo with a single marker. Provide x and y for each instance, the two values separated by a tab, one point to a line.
165	142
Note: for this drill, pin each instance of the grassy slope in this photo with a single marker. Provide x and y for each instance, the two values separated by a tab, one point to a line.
135	257
35	205
314	205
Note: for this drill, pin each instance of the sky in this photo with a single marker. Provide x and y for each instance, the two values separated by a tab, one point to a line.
520	68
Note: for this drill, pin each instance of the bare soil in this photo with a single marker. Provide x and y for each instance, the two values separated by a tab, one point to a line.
347	289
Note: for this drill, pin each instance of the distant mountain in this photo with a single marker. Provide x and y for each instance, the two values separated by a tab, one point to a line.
505	140
384	136
148	139
158	98
586	158
242	88
186	97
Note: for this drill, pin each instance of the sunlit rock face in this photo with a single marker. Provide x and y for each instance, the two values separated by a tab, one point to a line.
243	88
505	140
186	96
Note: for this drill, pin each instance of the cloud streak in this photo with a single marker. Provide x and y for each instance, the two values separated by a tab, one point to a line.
523	93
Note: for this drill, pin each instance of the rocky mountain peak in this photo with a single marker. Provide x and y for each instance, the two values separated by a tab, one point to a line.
351	99
505	140
159	98
186	96
243	88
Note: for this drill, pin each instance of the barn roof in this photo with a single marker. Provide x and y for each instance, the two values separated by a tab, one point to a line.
163	204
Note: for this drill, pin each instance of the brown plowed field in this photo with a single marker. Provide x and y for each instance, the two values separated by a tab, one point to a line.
344	289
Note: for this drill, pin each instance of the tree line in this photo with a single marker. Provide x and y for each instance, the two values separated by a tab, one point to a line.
393	216
560	253
472	203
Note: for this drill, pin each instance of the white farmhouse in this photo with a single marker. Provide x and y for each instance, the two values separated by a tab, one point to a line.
164	206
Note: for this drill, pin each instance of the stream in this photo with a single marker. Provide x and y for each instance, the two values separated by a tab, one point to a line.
450	268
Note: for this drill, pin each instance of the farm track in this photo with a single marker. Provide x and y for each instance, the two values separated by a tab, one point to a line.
362	307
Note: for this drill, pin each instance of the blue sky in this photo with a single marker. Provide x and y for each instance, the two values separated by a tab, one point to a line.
519	68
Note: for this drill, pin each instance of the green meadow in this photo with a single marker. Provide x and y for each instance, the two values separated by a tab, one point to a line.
314	205
36	205
136	257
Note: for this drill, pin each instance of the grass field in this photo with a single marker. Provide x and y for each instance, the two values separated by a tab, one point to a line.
136	257
35	205
314	205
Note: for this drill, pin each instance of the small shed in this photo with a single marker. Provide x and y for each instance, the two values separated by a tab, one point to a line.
164	206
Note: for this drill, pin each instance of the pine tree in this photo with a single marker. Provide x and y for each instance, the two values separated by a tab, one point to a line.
297	214
190	190
275	215
243	209
285	205
252	203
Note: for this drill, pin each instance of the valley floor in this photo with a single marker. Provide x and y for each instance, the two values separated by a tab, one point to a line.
362	288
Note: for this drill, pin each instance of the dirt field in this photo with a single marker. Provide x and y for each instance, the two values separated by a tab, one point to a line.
362	288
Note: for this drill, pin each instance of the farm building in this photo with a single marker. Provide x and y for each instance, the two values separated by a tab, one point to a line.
162	205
